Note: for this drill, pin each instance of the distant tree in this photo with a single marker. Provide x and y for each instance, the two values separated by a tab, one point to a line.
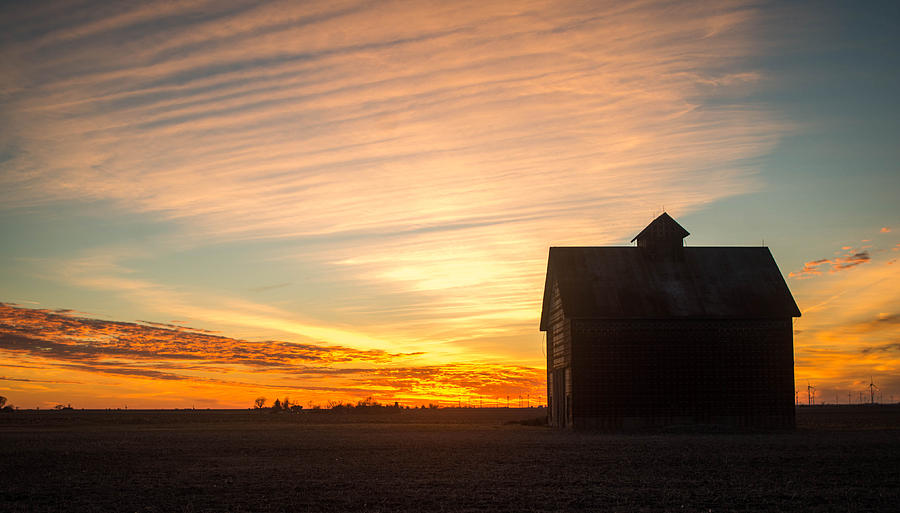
286	404
296	408
368	402
2	401
259	403
276	406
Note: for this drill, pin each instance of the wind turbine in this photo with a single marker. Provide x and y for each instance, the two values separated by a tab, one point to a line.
810	393
872	389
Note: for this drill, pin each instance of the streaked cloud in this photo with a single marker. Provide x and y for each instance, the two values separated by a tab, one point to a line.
62	336
8	378
842	262
465	380
324	119
184	358
849	328
413	159
883	348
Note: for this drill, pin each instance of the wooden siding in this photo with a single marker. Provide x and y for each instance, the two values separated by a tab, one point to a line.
664	371
559	333
559	360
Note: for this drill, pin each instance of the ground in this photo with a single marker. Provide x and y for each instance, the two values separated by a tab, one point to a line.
464	460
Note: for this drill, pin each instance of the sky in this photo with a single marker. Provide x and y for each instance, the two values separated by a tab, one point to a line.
202	203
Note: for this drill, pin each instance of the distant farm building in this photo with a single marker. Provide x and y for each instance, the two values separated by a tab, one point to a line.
659	334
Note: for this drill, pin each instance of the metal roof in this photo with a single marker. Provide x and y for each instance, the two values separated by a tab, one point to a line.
628	283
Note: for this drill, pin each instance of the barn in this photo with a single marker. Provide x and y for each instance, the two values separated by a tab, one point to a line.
661	334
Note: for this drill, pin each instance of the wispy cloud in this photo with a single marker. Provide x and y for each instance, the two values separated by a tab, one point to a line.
464	380
62	336
850	327
286	120
841	262
883	348
417	157
7	378
60	342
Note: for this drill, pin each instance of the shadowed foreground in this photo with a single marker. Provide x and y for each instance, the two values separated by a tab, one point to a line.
201	461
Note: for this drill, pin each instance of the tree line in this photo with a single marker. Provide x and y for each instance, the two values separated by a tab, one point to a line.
278	406
368	404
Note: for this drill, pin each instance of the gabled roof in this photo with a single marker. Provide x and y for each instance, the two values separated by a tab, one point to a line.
627	283
663	227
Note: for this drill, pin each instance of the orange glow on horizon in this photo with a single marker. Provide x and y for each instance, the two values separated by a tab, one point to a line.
63	358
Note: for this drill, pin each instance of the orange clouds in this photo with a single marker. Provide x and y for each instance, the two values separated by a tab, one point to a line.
464	380
850	258
312	120
46	343
81	338
849	329
840	263
414	159
361	194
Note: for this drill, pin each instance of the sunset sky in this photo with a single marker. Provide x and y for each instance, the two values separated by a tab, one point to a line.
206	202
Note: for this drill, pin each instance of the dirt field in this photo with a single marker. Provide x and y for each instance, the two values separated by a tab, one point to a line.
838	460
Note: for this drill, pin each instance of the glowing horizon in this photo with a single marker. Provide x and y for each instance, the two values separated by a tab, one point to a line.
385	179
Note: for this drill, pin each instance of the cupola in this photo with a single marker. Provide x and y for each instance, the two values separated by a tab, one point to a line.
663	237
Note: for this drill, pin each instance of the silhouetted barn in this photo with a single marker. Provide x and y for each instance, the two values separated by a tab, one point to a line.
663	334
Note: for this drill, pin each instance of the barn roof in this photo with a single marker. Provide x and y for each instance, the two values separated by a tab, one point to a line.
628	283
